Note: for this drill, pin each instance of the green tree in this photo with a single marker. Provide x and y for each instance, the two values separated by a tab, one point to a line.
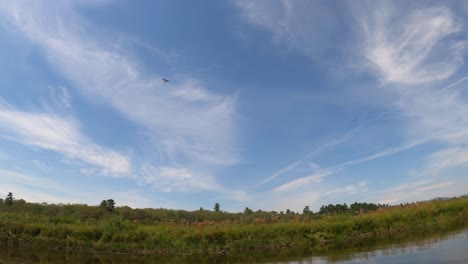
109	205
216	207
9	199
306	210
248	211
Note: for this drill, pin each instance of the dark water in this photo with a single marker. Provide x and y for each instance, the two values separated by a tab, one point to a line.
448	247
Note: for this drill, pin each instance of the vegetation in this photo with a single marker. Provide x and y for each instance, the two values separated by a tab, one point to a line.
109	228
108	205
9	199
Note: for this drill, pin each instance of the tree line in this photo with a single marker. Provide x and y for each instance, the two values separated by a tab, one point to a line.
355	208
108	208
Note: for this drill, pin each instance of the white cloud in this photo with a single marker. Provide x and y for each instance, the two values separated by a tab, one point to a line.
301	182
444	118
313	166
37	189
60	135
435	186
28	180
442	160
33	195
133	198
237	195
322	173
42	166
412	48
168	179
184	119
294	201
413	51
407	186
60	96
362	184
416	49
309	27
349	189
420	190
384	153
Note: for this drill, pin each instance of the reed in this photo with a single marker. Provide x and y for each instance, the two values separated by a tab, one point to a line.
100	231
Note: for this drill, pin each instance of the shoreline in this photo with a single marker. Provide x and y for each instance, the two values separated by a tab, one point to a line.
115	235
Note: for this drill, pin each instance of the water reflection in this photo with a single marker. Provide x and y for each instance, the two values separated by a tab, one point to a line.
434	248
450	247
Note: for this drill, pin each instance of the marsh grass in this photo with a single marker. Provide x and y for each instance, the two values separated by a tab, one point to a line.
103	232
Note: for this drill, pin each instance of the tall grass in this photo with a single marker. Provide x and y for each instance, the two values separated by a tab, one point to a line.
114	232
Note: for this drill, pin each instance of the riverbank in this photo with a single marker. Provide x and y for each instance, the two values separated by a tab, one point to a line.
114	233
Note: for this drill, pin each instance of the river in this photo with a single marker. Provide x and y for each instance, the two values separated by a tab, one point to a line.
448	247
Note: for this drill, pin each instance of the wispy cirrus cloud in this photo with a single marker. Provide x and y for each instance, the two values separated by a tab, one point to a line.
302	26
190	128
304	159
182	179
34	188
60	96
442	160
436	186
412	57
349	189
417	57
303	181
321	173
60	135
184	119
168	179
416	49
420	190
328	146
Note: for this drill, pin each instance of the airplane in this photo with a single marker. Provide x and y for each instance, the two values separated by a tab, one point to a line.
165	80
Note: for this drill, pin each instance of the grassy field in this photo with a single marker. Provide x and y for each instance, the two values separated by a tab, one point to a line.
88	228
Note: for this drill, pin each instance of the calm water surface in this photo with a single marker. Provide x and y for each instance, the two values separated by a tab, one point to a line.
449	247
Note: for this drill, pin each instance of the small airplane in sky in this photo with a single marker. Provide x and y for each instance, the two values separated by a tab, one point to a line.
165	80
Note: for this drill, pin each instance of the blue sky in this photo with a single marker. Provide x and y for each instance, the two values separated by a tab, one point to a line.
271	105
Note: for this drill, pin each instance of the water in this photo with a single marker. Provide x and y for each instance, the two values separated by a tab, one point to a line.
449	247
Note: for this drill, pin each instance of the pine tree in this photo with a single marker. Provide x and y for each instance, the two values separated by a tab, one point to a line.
9	199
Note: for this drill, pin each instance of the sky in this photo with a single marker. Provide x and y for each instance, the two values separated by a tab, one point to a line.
271	105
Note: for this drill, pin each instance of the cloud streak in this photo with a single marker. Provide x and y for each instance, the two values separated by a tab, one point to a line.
301	26
168	179
299	162
184	119
33	188
424	189
322	173
412	57
301	182
413	51
60	135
